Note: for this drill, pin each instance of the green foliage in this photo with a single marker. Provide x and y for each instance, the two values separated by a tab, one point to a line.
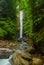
28	21
2	33
38	21
8	22
33	21
8	29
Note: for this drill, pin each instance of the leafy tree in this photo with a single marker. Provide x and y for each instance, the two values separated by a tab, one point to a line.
8	22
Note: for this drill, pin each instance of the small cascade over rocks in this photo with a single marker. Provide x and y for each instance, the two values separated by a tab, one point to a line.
22	46
4	62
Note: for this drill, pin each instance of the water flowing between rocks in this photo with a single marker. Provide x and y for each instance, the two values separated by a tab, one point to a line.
4	62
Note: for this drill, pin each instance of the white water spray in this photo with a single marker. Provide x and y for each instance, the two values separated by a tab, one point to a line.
21	24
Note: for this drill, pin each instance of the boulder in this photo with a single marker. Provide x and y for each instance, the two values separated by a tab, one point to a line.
20	58
5	53
30	50
37	61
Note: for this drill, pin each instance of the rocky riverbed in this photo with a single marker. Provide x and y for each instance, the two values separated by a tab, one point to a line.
22	53
5	53
6	48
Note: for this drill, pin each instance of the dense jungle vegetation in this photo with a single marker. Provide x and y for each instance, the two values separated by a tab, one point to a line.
33	20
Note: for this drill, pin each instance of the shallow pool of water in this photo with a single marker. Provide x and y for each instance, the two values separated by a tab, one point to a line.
4	62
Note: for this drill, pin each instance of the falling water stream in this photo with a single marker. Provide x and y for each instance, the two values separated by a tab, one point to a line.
21	24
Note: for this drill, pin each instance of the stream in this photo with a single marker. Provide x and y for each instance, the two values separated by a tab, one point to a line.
4	62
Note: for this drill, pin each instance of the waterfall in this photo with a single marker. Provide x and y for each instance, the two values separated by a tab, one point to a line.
21	24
